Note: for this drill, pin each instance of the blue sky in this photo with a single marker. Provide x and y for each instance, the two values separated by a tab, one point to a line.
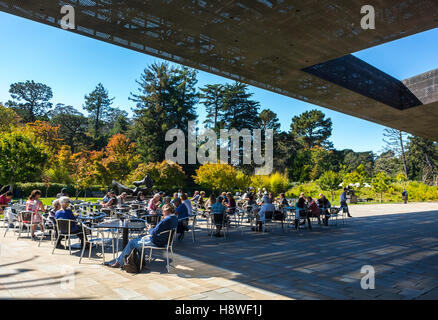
72	65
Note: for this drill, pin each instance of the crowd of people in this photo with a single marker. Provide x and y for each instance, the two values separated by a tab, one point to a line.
176	210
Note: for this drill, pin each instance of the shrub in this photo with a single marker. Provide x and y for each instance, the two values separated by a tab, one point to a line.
167	175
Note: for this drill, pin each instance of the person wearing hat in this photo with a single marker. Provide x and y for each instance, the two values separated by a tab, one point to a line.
63	193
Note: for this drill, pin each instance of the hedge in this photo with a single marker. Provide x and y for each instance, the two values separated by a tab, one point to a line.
23	190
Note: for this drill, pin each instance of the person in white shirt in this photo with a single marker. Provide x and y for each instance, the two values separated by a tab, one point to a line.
187	203
267	206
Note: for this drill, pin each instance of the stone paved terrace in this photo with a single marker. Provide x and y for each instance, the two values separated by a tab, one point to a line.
400	241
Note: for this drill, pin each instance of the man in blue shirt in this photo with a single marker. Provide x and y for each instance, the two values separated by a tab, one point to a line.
155	237
183	214
66	214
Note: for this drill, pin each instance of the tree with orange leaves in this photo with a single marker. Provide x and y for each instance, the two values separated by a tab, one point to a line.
120	157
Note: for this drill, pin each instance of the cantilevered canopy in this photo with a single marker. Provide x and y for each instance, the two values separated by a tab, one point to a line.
298	48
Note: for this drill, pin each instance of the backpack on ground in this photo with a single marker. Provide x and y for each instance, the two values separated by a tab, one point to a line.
132	262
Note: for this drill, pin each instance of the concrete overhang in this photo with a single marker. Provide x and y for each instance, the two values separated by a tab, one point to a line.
296	48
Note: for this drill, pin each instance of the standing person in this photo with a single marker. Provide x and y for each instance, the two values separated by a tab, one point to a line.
180	193
405	196
343	200
35	205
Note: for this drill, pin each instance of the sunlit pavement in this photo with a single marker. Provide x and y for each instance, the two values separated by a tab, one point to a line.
399	241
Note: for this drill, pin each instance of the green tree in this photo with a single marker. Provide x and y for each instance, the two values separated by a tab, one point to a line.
395	141
381	183
212	97
423	159
311	129
166	100
269	120
31	100
21	159
72	125
8	119
358	177
239	110
98	104
330	181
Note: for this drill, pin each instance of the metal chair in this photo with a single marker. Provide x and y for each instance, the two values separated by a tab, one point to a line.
167	248
94	240
219	220
63	227
26	219
268	220
50	226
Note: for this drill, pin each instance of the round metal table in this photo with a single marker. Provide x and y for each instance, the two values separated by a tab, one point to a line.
124	225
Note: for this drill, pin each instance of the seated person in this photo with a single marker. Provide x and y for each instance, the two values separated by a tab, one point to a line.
196	196
155	238
122	198
267	206
112	202
218	215
4	202
175	197
66	213
56	206
314	211
210	201
35	205
185	200
106	198
301	211
141	197
324	206
283	201
154	203
182	213
166	200
231	203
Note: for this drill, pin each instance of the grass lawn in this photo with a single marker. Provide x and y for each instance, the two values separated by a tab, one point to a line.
48	201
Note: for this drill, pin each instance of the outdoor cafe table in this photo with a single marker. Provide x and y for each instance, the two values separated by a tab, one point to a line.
125	226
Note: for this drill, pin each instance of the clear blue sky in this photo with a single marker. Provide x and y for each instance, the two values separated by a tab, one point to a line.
72	65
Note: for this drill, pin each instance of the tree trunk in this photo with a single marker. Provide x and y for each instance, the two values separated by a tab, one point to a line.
381	197
403	154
